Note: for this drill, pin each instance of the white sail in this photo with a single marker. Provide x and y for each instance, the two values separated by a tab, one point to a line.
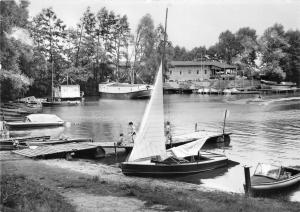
150	139
188	149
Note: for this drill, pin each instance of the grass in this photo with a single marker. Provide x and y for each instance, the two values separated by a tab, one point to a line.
21	194
189	200
30	194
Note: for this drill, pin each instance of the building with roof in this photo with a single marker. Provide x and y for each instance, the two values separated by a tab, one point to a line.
199	70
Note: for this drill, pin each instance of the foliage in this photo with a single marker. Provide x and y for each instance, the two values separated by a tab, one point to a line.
14	55
13	85
291	61
272	45
99	49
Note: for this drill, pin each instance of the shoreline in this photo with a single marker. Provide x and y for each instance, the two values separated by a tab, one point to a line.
90	186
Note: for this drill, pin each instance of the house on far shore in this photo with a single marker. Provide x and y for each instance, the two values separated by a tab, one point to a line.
199	71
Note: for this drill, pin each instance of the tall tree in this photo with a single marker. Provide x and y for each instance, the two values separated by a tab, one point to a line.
272	45
15	53
227	46
49	35
247	48
144	44
291	62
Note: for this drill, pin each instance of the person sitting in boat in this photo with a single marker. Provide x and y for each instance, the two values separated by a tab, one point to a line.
121	139
168	132
131	131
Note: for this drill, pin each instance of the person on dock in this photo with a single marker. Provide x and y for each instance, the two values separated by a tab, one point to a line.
168	133
121	139
131	131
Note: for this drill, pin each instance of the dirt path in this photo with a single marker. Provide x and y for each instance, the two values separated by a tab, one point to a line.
91	203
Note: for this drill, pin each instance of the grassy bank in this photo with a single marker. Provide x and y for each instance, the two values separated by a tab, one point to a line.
97	182
21	194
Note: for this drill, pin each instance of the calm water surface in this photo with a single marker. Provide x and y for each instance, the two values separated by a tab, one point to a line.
266	132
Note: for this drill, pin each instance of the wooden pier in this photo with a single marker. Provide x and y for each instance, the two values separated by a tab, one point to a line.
78	148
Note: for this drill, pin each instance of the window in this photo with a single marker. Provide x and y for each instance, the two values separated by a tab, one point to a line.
197	71
190	71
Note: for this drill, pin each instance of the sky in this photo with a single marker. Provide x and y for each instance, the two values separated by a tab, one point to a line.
191	23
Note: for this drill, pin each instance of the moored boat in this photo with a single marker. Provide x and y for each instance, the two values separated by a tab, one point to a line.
37	120
267	178
149	156
124	91
61	103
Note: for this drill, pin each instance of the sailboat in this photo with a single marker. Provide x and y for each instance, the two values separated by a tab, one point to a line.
149	156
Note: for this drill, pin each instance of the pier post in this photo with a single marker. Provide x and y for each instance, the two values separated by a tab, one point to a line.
247	180
116	153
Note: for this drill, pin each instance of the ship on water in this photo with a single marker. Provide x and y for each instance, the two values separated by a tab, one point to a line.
117	90
124	90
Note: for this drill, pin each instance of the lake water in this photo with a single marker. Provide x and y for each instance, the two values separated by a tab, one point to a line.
267	132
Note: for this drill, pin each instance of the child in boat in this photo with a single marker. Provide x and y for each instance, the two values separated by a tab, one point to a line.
131	131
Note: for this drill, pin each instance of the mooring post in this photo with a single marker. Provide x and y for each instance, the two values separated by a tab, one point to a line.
247	180
196	127
116	154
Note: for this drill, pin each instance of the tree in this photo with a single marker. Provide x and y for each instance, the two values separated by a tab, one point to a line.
227	46
291	62
14	52
144	50
272	45
49	35
121	36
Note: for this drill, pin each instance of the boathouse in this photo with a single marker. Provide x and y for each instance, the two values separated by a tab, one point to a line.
68	92
199	70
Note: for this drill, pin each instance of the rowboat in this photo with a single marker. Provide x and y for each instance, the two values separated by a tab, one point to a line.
37	120
272	178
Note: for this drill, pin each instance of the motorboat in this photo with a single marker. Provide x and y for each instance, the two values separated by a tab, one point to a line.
272	178
37	120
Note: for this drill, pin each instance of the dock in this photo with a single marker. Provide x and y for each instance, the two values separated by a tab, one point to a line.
90	149
61	150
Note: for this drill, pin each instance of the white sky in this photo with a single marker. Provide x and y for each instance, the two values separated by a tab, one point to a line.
191	23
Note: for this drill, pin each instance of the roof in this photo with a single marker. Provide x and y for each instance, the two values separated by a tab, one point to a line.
201	63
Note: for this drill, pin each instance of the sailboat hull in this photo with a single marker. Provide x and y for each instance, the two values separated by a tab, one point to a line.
148	168
141	94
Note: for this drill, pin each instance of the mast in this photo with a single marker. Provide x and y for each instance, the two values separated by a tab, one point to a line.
165	40
52	80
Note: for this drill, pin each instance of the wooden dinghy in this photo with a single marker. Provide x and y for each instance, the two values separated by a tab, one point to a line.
37	120
268	178
173	166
